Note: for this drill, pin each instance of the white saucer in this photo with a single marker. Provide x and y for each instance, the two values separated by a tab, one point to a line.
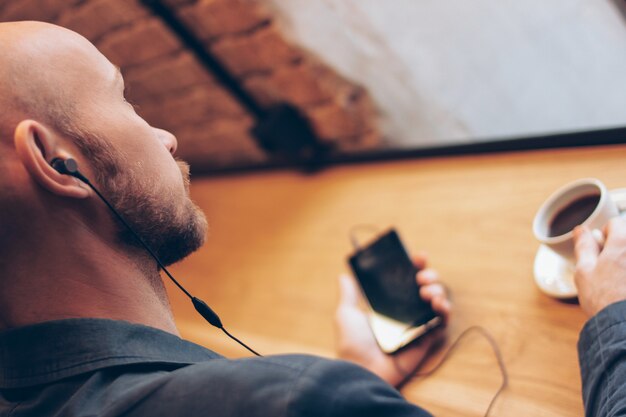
554	275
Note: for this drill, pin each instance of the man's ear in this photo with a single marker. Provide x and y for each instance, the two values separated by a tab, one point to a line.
35	145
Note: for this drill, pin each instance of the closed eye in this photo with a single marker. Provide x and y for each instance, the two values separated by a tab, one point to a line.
133	105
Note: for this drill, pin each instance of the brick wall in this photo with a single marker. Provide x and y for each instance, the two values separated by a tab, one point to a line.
172	90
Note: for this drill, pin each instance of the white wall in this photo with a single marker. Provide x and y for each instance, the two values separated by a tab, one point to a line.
445	71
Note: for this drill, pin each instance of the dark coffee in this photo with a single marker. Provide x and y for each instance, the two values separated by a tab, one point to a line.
573	214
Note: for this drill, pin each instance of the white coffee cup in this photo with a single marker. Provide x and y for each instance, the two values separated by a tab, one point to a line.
563	198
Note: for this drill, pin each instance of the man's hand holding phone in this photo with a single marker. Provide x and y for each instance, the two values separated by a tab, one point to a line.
357	343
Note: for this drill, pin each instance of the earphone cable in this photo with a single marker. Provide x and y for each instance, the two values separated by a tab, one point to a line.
356	228
139	239
201	307
496	350
239	341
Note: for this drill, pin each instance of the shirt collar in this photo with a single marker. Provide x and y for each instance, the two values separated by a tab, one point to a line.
46	352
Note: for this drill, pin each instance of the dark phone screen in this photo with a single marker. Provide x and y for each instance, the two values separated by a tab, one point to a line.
387	276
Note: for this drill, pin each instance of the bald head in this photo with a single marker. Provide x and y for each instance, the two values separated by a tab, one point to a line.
60	97
39	64
57	77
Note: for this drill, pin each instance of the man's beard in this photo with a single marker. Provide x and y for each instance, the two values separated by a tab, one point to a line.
171	228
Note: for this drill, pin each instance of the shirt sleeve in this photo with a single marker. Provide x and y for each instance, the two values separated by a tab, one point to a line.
602	357
341	389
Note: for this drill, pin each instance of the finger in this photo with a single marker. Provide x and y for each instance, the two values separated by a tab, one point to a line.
427	276
420	259
429	292
615	232
349	294
599	238
443	307
586	248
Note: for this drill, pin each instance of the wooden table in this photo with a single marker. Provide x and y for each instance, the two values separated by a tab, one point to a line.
279	240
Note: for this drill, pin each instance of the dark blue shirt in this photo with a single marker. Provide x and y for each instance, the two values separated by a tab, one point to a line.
96	367
602	356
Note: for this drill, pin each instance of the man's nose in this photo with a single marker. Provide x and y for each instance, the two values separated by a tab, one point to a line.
168	140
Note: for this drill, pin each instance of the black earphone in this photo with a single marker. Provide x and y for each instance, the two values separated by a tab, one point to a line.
69	167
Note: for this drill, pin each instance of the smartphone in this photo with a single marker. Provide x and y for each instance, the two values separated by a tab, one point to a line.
386	275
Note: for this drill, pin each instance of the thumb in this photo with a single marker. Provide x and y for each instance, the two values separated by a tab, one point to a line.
349	292
586	248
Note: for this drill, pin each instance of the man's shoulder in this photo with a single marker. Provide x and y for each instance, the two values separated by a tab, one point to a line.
289	372
285	385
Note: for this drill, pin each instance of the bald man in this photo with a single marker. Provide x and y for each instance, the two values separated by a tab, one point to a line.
85	324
